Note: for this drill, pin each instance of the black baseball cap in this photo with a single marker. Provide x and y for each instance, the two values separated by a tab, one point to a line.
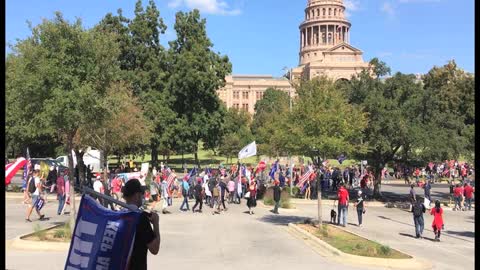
131	187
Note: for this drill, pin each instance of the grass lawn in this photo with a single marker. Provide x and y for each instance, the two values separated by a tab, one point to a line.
57	234
352	244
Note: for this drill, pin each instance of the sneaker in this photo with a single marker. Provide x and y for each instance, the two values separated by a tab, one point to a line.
27	220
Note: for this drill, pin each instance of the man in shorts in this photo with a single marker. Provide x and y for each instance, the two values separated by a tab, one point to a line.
35	196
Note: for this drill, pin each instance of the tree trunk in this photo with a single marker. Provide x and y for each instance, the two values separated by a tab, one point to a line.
105	169
71	178
377	194
118	161
80	164
154	155
196	156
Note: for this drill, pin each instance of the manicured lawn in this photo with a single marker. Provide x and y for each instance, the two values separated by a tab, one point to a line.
352	244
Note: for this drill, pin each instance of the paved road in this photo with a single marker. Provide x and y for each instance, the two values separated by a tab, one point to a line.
394	227
233	240
236	240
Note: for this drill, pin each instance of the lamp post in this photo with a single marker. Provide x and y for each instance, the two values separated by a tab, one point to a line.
316	162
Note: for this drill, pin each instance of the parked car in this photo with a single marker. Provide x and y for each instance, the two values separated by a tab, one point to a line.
92	158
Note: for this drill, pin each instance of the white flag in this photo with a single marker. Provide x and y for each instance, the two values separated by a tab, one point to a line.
248	151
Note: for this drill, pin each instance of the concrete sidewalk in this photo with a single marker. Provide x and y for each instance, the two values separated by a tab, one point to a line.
395	228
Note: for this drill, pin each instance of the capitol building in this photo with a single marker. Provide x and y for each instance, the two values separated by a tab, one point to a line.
325	50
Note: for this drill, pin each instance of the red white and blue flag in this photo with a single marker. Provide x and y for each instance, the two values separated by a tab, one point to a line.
12	168
304	178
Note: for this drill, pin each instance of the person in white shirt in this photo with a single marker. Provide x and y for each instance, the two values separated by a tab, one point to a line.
98	187
35	196
208	193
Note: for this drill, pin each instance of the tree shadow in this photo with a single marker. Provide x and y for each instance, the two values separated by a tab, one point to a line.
412	236
464	233
283	220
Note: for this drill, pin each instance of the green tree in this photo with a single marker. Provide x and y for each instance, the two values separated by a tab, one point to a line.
144	64
236	132
65	71
270	114
322	120
124	125
379	68
196	73
447	110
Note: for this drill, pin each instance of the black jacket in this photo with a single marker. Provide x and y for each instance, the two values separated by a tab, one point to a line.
197	191
276	193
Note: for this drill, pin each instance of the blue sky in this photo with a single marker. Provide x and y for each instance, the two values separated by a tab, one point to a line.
262	36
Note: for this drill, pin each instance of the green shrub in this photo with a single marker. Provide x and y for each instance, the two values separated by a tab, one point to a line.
39	232
284	198
385	250
60	233
268	201
295	191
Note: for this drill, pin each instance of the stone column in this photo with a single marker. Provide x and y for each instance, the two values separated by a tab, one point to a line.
302	38
326	35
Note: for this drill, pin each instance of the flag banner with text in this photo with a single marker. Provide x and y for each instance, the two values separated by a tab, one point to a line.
102	239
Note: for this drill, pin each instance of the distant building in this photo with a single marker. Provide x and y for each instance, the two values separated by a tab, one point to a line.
243	91
324	50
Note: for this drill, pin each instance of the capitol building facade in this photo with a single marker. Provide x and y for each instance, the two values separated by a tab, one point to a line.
325	50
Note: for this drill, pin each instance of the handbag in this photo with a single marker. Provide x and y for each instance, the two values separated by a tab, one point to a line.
247	195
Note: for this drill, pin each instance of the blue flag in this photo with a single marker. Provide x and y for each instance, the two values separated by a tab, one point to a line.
273	170
102	239
341	158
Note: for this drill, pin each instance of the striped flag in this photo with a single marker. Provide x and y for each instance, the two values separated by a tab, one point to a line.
304	178
170	179
12	168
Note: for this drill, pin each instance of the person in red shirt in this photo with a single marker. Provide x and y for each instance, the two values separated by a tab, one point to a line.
468	190
343	198
458	197
417	175
437	223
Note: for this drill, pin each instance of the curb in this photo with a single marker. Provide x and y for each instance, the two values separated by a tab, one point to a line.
19	243
334	253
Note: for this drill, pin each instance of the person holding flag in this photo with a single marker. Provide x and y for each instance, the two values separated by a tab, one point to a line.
273	170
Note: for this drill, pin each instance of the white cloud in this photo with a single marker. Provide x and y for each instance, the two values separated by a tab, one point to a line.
206	6
351	6
388	8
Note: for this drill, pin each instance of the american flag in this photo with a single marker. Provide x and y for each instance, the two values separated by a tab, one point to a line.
304	178
170	179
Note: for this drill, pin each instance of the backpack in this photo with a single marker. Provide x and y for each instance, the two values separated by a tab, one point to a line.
31	185
417	210
216	192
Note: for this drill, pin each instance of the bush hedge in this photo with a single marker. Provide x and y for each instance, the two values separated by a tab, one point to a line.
284	198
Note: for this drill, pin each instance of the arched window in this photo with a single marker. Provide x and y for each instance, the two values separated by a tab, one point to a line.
318	12
323	12
329	12
335	12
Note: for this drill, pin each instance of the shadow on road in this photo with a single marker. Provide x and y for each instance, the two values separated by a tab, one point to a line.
412	236
282	220
464	234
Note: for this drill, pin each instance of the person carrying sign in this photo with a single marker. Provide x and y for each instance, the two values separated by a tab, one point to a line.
145	237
